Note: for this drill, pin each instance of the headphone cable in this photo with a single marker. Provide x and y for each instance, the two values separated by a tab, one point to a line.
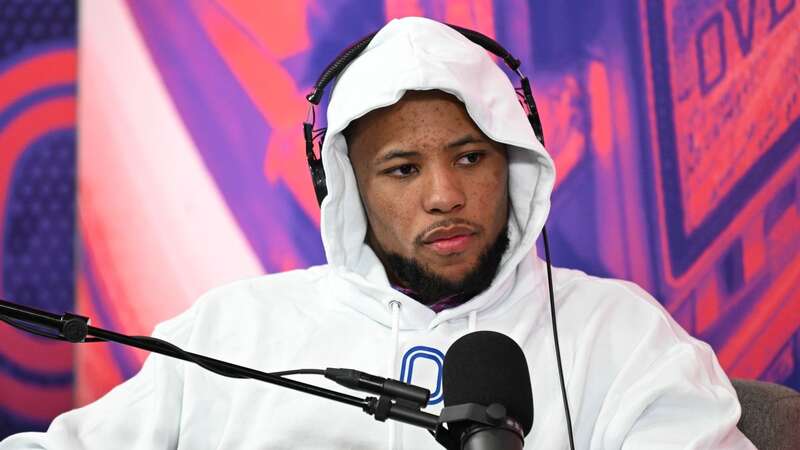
555	337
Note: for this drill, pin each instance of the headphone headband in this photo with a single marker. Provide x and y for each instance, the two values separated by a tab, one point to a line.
350	53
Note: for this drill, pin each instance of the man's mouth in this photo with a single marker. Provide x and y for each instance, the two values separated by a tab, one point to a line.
450	240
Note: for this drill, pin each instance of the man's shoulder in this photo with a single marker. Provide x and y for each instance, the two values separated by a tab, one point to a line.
620	320
575	285
611	301
277	285
259	296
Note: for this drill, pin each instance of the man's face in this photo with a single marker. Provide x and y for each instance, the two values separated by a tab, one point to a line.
434	187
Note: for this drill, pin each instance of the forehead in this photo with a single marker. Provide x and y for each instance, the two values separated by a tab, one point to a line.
418	118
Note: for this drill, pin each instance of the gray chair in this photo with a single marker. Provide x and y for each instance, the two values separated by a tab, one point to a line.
770	414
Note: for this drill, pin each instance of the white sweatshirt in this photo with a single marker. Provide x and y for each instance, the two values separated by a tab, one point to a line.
634	378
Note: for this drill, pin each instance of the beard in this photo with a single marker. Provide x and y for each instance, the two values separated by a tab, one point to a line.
428	288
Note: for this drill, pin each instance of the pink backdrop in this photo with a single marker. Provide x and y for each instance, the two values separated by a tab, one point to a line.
674	126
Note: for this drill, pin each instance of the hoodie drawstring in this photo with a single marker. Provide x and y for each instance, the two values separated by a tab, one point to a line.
391	367
394	427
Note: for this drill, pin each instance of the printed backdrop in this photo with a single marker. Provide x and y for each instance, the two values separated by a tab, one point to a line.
674	124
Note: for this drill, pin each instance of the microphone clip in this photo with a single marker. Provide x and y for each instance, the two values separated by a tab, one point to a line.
385	407
73	327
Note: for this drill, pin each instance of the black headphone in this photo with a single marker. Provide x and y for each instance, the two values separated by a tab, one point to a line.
352	52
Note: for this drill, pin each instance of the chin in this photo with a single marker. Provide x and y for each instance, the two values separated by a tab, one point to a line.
456	275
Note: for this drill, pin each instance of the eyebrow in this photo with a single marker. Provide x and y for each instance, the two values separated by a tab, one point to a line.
392	154
464	140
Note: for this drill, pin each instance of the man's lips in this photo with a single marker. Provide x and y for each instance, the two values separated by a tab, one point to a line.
449	240
455	244
444	233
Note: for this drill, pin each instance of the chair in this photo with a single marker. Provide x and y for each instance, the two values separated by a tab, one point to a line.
770	414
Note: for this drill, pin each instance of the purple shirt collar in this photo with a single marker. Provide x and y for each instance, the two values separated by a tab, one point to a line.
448	302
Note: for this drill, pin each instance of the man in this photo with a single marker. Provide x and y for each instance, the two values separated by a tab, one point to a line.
438	190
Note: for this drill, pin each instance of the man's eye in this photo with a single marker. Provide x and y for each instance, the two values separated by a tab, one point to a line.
402	171
470	158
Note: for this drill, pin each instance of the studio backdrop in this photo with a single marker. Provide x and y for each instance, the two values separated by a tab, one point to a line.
156	152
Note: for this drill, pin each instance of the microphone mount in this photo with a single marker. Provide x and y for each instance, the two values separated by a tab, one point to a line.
483	427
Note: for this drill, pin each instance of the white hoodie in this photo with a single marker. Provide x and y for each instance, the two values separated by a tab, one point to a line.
634	378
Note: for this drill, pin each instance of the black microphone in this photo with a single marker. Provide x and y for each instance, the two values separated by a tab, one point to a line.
487	393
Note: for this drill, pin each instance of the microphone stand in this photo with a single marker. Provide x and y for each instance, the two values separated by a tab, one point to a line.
76	329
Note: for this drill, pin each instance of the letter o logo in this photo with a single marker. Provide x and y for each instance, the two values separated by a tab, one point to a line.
428	360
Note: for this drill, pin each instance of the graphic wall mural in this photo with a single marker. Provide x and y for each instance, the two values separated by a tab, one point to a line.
674	125
38	73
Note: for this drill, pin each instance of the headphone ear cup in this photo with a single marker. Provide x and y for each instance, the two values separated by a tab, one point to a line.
536	124
314	163
318	178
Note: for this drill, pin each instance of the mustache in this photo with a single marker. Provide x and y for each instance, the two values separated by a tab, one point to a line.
419	239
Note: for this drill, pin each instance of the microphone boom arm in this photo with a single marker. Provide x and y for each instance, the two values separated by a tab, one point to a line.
76	329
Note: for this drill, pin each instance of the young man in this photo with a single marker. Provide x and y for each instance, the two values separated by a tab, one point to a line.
438	190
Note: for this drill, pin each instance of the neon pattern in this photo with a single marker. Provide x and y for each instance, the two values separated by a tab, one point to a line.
674	126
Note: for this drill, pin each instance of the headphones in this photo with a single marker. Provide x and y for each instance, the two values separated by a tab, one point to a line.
353	51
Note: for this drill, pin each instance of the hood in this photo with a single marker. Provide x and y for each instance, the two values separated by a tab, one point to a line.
415	53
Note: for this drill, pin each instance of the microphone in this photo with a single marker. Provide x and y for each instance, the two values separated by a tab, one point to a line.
487	393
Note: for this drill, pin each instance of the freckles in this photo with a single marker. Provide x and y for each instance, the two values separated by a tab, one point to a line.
388	212
488	192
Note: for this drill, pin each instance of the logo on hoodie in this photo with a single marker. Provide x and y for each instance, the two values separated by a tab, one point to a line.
422	366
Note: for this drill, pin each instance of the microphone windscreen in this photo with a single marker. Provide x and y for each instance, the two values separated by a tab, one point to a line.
487	367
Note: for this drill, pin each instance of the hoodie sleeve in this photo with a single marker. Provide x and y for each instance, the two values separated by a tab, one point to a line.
143	412
670	393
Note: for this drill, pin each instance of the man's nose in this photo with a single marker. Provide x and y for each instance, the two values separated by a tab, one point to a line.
444	192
